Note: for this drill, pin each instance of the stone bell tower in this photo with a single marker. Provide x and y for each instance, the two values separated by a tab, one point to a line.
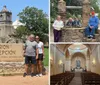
6	27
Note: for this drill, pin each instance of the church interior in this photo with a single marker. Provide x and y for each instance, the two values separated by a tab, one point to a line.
74	64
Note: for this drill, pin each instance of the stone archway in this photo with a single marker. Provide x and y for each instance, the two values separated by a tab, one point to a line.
78	61
71	61
82	56
85	11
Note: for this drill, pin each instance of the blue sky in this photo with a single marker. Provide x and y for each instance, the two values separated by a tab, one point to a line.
16	6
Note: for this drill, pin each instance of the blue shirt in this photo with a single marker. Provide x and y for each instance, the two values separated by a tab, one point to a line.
94	21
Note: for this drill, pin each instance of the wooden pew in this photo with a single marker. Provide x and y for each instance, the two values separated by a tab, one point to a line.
90	78
61	79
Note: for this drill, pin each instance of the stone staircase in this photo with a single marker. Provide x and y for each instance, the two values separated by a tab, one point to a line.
76	35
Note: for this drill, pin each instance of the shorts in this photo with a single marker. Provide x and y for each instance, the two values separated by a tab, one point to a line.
30	59
40	57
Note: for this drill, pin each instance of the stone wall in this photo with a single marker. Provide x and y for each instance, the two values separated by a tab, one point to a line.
11	59
11	68
86	12
58	62
76	35
72	35
95	59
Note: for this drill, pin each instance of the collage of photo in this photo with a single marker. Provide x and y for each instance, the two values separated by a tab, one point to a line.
50	42
75	42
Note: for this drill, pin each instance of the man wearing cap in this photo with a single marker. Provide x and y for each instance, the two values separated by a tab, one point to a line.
31	54
92	26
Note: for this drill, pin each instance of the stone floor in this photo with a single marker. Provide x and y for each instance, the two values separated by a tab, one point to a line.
76	80
20	80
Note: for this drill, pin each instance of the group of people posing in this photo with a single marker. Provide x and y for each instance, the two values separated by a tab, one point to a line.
73	22
89	31
34	55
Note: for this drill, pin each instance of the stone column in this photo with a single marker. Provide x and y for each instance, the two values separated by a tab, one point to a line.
62	9
86	12
68	65
88	64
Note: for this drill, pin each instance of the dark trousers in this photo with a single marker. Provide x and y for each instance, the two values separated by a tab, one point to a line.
57	35
89	31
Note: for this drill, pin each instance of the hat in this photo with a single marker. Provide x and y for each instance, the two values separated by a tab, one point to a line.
93	13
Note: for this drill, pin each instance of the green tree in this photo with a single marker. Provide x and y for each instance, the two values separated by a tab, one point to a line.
53	9
21	32
35	21
95	5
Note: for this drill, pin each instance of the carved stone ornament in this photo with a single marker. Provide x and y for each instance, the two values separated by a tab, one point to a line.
62	6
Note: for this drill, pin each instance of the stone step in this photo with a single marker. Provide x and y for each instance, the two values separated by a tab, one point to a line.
75	37
97	35
77	40
89	40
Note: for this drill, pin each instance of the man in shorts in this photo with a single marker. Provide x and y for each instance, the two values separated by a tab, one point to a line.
40	47
31	54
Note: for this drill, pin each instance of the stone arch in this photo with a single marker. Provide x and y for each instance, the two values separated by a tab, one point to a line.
80	57
68	57
67	54
86	8
78	53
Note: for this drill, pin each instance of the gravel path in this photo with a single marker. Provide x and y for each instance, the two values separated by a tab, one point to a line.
20	80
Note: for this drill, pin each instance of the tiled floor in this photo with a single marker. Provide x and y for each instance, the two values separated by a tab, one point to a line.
76	80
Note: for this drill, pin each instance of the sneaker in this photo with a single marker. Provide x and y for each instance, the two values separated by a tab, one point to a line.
88	36
40	75
32	75
92	37
37	75
25	74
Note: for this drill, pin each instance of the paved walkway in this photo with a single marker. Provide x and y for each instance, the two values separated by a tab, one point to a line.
76	80
20	80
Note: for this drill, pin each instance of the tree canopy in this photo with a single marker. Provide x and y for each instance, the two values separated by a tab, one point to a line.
36	22
75	12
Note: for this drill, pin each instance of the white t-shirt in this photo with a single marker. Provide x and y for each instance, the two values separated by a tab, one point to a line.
58	24
39	46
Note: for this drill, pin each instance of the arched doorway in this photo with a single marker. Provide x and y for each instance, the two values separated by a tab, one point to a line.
78	62
77	56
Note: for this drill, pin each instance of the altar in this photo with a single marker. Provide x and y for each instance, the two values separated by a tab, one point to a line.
78	67
78	70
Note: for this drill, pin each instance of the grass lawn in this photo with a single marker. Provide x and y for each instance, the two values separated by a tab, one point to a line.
46	60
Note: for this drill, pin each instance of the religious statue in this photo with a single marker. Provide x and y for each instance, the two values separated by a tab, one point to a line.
78	63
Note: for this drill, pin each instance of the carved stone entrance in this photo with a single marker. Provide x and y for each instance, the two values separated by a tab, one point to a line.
85	10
